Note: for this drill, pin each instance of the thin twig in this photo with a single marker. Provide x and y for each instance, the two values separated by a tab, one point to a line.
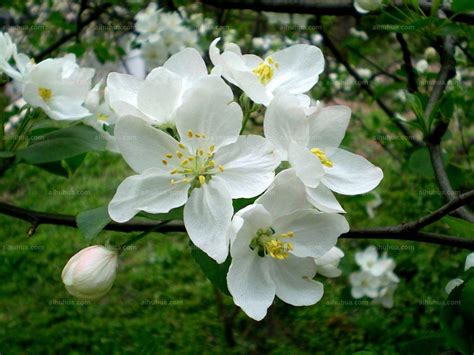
412	84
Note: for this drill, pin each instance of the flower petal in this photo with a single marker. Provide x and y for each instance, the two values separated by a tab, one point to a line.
159	96
150	191
351	174
328	126
122	92
207	216
188	64
298	70
286	195
248	164
307	166
208	109
143	146
293	279
250	285
285	122
323	199
315	233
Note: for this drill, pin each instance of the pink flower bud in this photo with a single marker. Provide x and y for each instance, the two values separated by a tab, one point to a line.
90	273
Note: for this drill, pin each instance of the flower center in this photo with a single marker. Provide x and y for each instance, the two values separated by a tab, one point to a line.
264	71
196	168
102	117
266	242
322	157
46	94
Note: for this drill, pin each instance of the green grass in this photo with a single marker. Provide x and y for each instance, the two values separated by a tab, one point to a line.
162	303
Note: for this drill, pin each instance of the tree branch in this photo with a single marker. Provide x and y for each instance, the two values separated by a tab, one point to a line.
412	84
68	36
327	7
408	231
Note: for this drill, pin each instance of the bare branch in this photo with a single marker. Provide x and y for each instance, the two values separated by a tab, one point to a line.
408	231
412	84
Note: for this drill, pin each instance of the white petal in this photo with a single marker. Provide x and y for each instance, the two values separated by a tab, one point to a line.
452	284
160	96
328	126
285	121
308	167
286	195
208	109
334	255
122	91
298	70
249	166
188	64
150	191
143	146
469	262
293	278
323	199
314	232
329	270
247	222
207	216
351	174
250	285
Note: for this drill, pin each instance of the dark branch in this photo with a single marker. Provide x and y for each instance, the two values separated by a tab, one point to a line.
409	231
69	36
412	84
328	7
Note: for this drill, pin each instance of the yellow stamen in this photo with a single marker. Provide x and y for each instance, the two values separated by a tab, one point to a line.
190	134
202	180
190	158
179	154
184	162
265	70
181	145
46	94
165	162
174	171
173	181
200	152
277	249
221	168
211	148
169	155
197	135
211	163
322	157
101	116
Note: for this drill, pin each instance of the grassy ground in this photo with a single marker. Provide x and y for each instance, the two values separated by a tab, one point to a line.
162	303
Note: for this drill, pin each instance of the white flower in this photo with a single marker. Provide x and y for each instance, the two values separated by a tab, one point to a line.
430	52
385	297
421	66
210	166
452	284
373	204
365	6
274	246
327	265
364	284
292	70
59	87
156	98
364	72
308	138
154	52
90	273
369	261
103	117
147	20
7	51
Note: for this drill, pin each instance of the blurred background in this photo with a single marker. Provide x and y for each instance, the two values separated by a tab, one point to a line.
161	301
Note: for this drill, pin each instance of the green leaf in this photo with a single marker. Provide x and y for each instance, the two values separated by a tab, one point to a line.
462	5
459	226
92	222
467	301
420	163
431	344
216	273
7	154
62	144
176	214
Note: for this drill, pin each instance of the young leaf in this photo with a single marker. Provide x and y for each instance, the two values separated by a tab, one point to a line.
92	222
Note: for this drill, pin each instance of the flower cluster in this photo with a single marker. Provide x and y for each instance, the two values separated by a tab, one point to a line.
162	34
180	130
376	278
